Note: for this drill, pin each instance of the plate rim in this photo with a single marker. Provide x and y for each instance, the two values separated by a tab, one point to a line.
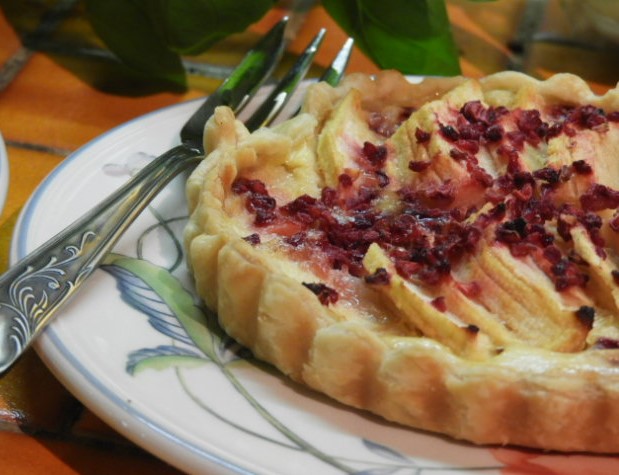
49	346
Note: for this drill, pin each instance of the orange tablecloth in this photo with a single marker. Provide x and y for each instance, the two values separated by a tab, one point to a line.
48	109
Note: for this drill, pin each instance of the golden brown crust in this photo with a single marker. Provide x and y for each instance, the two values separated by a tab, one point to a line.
553	393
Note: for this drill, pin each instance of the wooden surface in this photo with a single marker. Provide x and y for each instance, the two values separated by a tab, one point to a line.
51	104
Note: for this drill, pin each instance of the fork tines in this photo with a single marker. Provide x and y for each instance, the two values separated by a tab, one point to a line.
274	104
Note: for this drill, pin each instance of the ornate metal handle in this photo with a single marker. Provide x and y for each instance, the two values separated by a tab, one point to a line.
34	288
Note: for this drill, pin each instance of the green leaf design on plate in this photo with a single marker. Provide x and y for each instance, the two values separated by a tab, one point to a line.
159	363
178	299
163	357
412	36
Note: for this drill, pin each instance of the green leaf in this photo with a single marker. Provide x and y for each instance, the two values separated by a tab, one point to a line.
150	35
413	36
192	26
125	27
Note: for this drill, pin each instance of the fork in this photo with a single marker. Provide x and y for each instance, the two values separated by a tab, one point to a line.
34	288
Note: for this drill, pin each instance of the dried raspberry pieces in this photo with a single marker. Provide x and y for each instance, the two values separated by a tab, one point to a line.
423	232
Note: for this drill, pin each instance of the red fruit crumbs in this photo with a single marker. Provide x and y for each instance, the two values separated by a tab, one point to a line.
419	165
379	277
375	154
586	315
427	232
548	174
440	304
494	133
589	117
474	111
345	180
257	201
581	167
470	289
296	239
531	126
459	155
422	136
325	294
599	197
253	238
449	132
605	343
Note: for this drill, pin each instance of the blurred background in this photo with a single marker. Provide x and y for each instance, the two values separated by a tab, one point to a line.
540	37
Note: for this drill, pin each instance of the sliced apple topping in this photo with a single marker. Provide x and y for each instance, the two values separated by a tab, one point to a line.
440	147
524	299
342	139
485	220
604	286
422	311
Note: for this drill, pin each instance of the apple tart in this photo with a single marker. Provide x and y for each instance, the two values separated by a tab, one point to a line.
442	254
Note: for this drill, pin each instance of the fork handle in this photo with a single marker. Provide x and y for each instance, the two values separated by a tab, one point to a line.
34	288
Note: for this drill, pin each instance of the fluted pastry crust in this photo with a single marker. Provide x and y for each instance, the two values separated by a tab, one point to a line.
513	339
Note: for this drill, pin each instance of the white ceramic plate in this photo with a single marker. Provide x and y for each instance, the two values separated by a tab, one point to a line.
4	173
191	397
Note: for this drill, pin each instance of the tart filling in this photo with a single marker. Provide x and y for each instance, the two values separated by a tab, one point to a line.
443	254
